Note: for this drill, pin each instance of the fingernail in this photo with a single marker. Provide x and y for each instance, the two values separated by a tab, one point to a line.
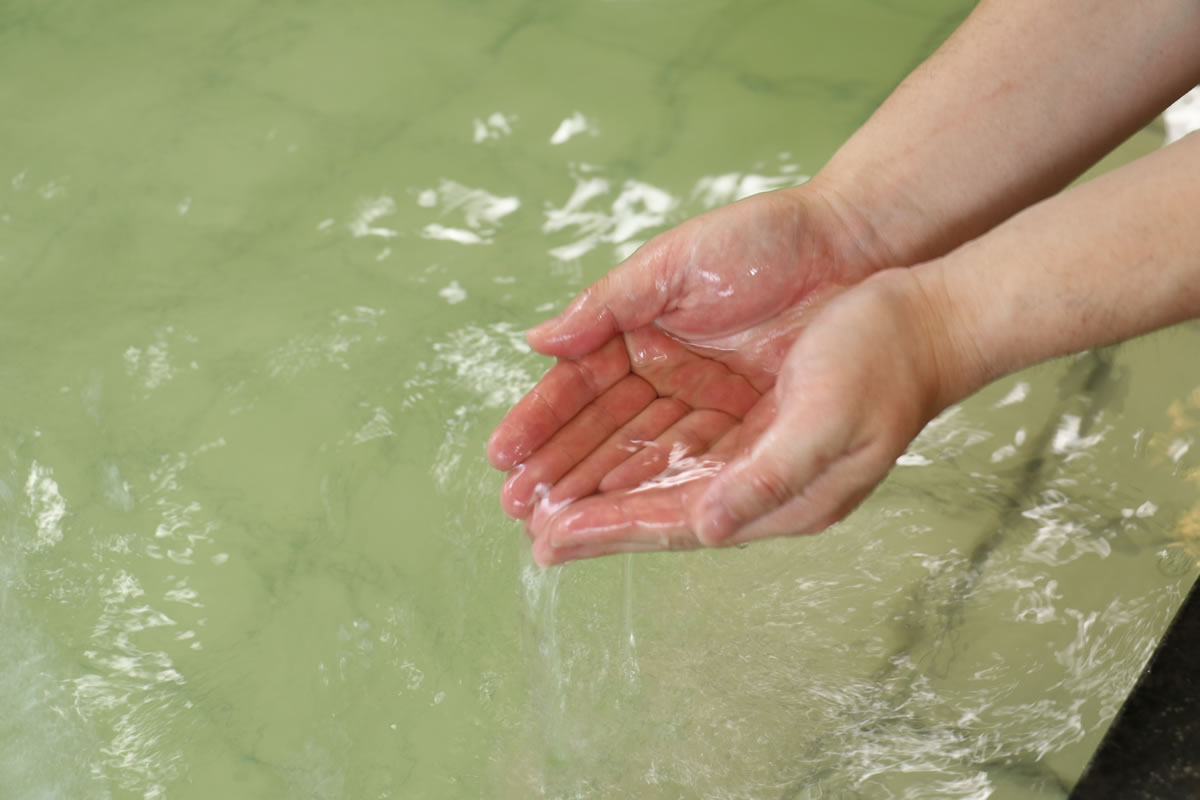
544	556
513	456
563	531
715	524
545	328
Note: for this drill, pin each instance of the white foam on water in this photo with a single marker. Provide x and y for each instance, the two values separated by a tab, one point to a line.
482	212
572	126
638	207
1062	536
109	702
379	426
332	346
840	726
712	191
945	437
482	368
1183	116
37	721
47	508
117	490
371	211
496	126
459	235
151	365
1017	394
1068	440
453	294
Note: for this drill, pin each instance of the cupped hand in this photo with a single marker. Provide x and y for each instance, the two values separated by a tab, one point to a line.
689	363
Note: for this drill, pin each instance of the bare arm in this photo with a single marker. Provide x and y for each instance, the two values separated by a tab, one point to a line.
1103	262
752	340
1100	263
1023	98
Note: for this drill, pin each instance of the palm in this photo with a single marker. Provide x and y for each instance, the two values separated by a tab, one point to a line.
674	371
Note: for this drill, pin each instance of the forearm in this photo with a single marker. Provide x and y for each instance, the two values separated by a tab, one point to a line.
1023	98
1106	261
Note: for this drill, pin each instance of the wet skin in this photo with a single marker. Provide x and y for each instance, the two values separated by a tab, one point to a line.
679	349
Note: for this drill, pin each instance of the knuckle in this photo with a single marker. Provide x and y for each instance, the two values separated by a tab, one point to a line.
768	490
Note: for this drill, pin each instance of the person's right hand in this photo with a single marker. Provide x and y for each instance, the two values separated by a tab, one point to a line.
669	351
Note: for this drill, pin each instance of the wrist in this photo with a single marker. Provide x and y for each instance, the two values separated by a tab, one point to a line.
884	221
950	327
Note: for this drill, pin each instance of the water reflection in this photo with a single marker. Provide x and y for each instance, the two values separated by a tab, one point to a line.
262	310
640	207
482	212
928	686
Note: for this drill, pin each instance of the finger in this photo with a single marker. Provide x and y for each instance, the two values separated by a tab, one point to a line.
618	522
547	555
630	296
562	393
775	471
578	539
692	435
647	426
573	442
830	497
675	370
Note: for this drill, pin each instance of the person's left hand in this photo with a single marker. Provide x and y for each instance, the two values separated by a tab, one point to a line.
860	381
667	353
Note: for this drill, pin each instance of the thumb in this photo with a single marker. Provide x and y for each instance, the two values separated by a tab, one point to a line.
776	471
633	294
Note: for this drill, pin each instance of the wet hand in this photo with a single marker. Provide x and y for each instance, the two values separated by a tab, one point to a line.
669	362
861	381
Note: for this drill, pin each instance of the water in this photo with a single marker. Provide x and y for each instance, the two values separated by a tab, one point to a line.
263	272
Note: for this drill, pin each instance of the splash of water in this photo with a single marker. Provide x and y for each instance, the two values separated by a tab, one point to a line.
680	469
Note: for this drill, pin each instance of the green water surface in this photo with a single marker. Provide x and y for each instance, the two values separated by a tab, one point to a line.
263	272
